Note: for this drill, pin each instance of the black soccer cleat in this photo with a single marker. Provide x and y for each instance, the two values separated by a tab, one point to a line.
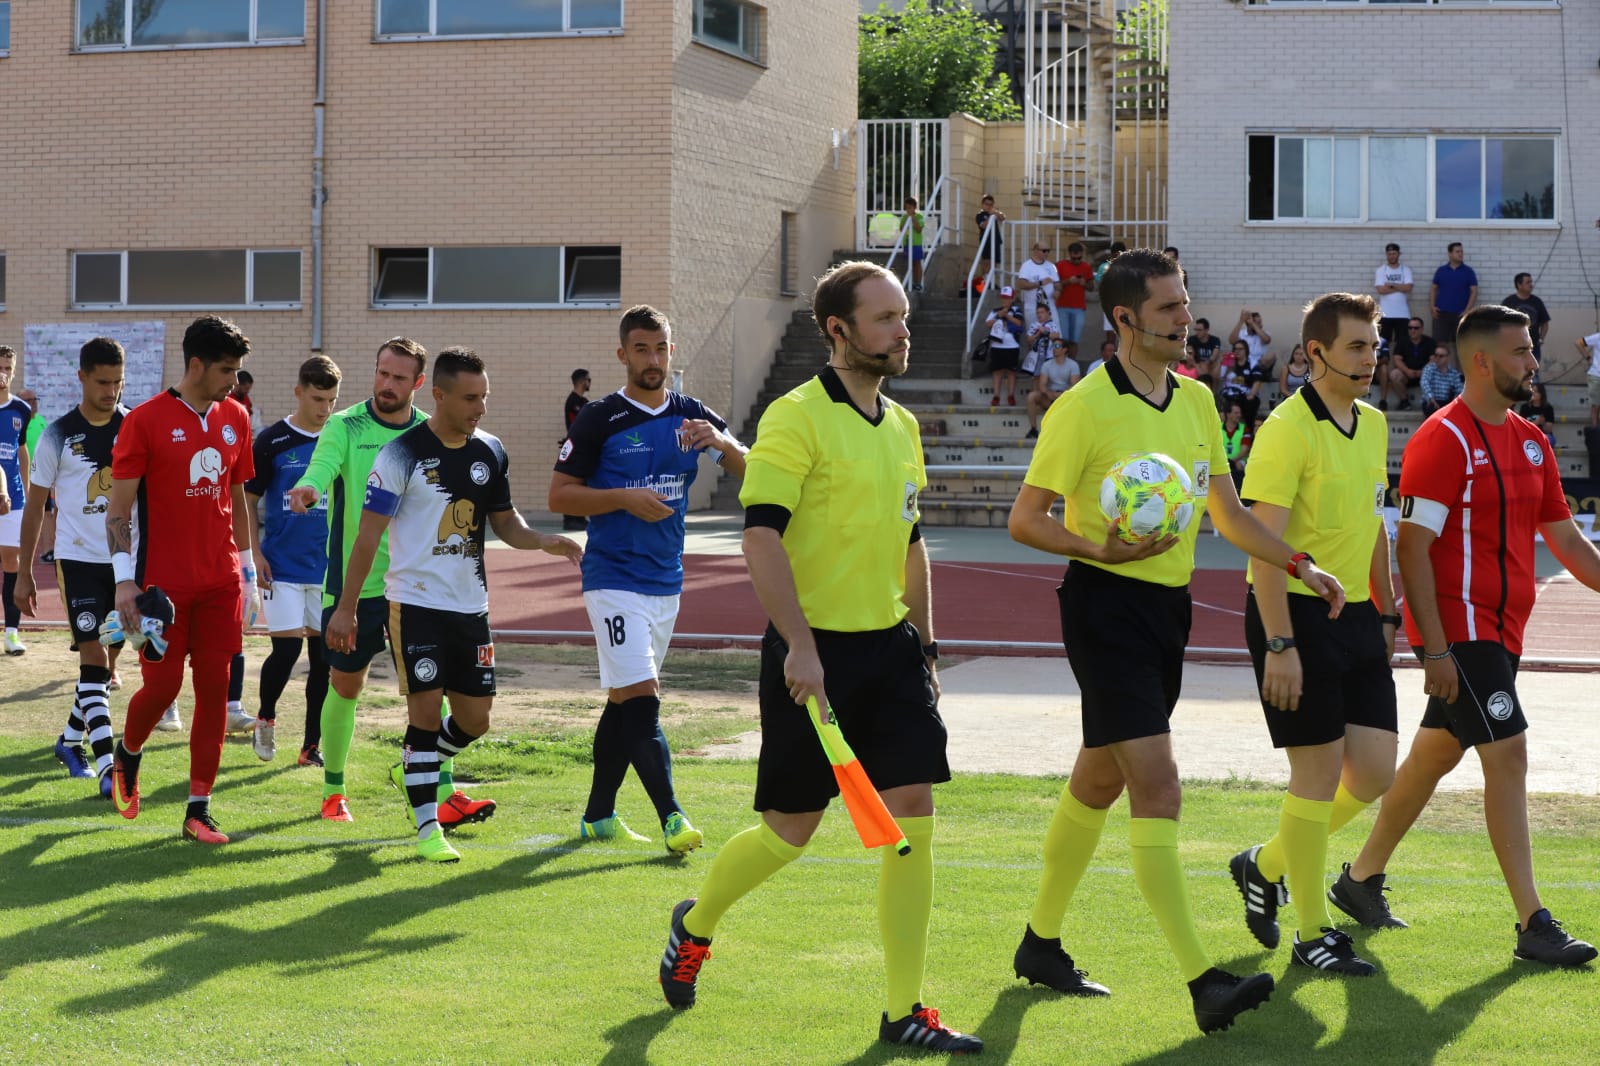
1364	901
1262	898
1220	997
923	1029
1545	941
1044	962
1333	952
681	962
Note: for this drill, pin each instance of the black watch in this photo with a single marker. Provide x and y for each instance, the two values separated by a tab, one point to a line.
931	650
1278	644
1391	620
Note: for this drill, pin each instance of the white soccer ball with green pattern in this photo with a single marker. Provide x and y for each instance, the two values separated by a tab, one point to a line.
1147	493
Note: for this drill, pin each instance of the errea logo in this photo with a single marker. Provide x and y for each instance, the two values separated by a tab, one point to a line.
178	436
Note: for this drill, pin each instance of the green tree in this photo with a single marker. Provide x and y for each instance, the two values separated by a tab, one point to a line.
921	63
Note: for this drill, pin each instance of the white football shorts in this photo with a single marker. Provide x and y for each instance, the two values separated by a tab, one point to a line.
631	633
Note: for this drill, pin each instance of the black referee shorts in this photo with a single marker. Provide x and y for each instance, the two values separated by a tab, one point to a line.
1344	664
882	697
1125	640
1486	707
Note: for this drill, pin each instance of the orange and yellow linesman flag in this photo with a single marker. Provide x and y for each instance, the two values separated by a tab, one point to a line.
873	822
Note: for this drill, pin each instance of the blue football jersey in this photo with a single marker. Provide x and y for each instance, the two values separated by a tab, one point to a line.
14	417
294	545
616	443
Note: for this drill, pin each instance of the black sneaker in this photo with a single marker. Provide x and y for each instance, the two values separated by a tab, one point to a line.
1043	962
1333	952
1262	898
923	1029
1363	901
1545	941
1220	997
681	962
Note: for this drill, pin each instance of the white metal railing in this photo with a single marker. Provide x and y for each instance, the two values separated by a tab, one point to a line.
897	158
976	301
935	231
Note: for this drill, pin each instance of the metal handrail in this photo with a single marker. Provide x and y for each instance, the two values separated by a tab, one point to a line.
933	218
975	306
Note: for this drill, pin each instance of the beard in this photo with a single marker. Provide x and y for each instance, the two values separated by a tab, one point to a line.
871	366
649	379
390	405
1513	388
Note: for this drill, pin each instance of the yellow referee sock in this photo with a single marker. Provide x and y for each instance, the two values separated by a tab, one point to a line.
1345	807
905	898
1069	844
743	863
1303	840
1160	878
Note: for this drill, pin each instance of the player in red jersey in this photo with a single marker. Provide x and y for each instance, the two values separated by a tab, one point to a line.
1476	484
183	458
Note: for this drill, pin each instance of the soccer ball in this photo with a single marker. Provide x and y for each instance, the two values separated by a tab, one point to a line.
1147	493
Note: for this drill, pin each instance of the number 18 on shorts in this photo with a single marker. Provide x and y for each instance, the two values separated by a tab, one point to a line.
631	633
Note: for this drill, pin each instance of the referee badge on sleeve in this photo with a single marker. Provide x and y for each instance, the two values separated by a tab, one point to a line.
908	509
1379	493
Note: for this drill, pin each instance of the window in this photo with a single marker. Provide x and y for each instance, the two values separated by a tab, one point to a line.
788	265
1401	178
497	18
730	26
189	23
5	28
2	281
1409	3
233	278
497	277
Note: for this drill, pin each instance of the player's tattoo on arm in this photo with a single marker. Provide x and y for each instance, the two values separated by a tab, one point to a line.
119	534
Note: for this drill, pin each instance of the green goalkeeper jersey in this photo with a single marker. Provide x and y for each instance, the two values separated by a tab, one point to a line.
340	466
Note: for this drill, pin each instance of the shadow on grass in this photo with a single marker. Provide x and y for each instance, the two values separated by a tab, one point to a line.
630	1040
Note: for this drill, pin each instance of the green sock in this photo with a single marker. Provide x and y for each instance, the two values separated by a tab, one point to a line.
1345	807
1159	874
743	863
1069	844
447	778
1303	839
338	730
905	899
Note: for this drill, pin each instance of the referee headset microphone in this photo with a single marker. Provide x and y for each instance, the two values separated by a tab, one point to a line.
1328	367
1126	321
882	357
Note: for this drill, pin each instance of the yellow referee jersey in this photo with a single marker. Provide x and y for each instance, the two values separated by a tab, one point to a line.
1103	420
850	486
1332	482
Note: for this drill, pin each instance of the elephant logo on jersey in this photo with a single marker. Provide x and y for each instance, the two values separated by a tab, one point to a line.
460	519
205	465
1500	706
98	492
1534	453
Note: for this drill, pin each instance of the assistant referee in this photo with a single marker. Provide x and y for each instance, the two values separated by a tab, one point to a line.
836	556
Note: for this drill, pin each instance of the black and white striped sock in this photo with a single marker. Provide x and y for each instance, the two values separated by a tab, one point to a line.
421	765
94	703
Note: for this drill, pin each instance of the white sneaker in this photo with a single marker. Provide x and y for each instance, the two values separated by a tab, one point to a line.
170	722
115	682
265	740
240	721
13	643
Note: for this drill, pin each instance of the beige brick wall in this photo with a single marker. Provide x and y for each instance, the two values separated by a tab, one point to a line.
517	141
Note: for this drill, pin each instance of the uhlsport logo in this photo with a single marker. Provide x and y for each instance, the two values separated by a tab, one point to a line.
205	465
1500	706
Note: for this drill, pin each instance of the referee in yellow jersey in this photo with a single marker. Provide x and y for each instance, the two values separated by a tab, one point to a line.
1317	476
1125	613
837	559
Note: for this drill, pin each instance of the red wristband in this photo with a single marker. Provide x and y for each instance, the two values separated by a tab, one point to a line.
1294	563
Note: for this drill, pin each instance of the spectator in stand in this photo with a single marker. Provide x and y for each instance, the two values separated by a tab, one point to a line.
1185	366
1077	279
1454	292
1204	346
1237	383
985	217
1525	301
1441	381
1172	253
1036	281
914	216
1236	436
1393	284
1115	250
1589	348
1295	372
1250	330
1005	329
575	400
1107	350
1058	374
1405	365
1041	335
1539	411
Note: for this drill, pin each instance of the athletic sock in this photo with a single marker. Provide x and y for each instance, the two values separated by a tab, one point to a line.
12	611
338	730
1069	844
73	734
208	725
236	682
94	703
1159	875
421	763
743	863
199	807
610	763
648	752
447	763
1303	841
905	898
316	692
1346	805
275	673
453	739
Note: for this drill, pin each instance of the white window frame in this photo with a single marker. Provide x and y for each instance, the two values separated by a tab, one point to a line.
1431	217
5	47
746	9
127	36
433	33
564	274
122	304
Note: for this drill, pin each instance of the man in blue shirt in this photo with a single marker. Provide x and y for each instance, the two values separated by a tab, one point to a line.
293	556
1454	292
14	417
628	465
